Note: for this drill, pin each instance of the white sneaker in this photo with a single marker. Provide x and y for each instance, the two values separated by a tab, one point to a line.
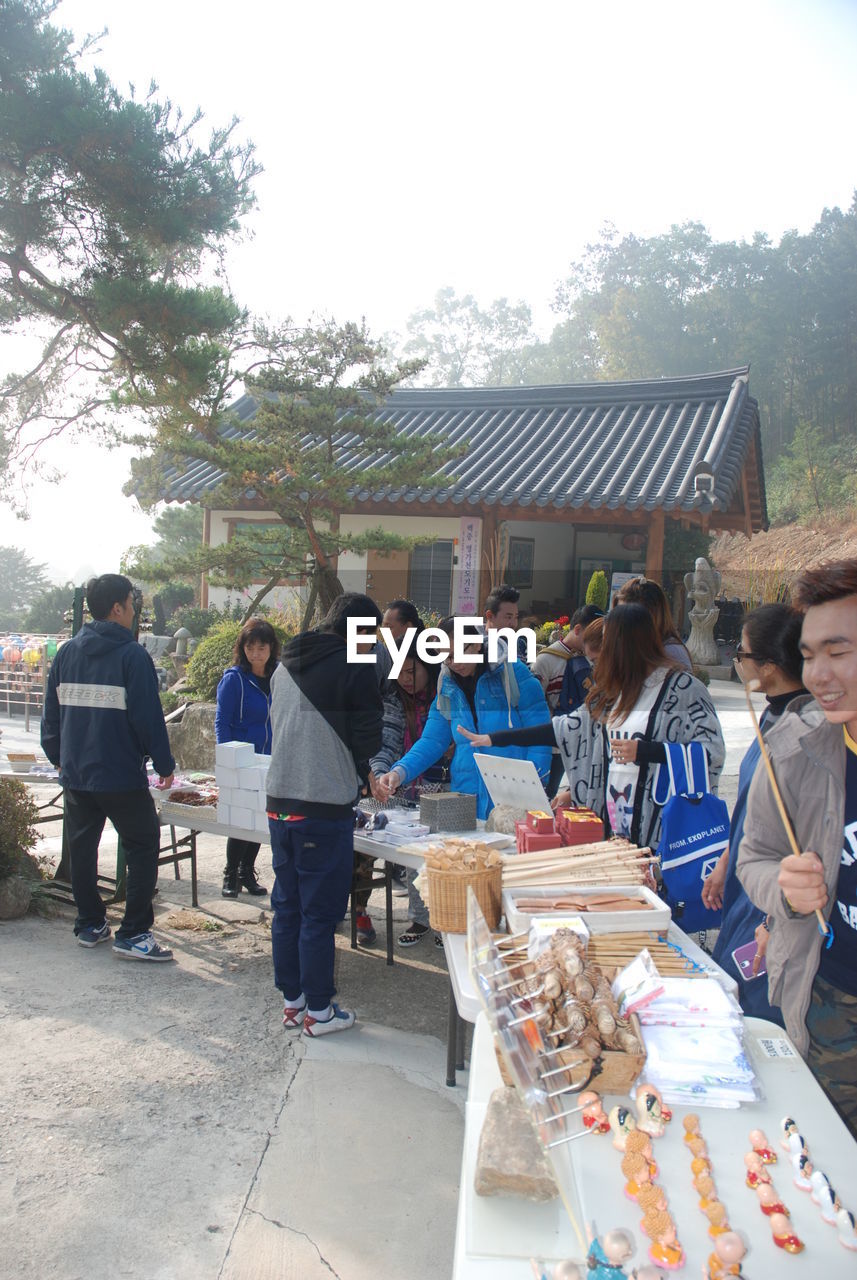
339	1020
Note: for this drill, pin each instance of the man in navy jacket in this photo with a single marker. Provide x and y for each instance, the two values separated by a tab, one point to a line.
101	721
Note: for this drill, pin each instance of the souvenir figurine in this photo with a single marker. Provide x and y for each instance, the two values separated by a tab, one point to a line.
635	1167
756	1171
784	1237
729	1250
816	1182
697	1146
716	1215
641	1142
647	1272
594	1115
663	1113
652	1199
803	1172
665	1250
622	1123
847	1229
605	1257
796	1145
567	1270
649	1111
769	1201
706	1190
762	1147
829	1203
691	1126
698	1165
787	1128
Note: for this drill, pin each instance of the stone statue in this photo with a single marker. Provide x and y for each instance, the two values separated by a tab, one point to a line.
703	586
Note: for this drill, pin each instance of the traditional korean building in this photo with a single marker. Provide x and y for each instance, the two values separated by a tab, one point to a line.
554	482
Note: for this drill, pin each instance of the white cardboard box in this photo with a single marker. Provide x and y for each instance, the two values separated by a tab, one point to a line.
243	819
253	800
262	822
223	812
234	755
252	779
226	777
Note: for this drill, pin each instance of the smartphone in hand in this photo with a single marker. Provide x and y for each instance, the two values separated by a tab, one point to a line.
744	957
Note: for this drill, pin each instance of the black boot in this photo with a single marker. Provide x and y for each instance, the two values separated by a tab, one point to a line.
248	880
230	883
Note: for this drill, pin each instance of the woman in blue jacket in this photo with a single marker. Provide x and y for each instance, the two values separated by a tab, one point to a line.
481	696
244	715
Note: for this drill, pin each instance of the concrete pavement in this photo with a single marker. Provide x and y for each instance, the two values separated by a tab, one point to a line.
156	1120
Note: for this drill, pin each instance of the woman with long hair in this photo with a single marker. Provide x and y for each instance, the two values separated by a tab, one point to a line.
613	745
769	653
244	715
651	596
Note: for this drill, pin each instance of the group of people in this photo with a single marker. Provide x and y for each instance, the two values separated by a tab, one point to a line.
595	716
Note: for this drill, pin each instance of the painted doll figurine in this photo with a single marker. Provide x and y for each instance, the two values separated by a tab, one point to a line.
649	1111
729	1251
652	1199
847	1229
665	1250
622	1123
662	1112
594	1115
788	1126
816	1184
641	1143
716	1215
784	1237
691	1126
696	1146
762	1147
635	1167
803	1172
706	1190
756	1171
606	1256
769	1201
829	1203
700	1165
796	1145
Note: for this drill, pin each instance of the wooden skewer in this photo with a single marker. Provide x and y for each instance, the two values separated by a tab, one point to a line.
752	686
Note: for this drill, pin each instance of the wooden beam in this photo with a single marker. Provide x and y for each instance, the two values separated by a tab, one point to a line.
745	498
490	526
655	546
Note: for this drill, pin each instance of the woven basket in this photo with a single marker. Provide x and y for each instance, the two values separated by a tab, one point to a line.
447	894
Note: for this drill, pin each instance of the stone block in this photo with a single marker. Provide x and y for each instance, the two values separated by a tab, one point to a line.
510	1161
192	738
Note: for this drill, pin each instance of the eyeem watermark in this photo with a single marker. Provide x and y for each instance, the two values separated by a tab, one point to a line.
433	645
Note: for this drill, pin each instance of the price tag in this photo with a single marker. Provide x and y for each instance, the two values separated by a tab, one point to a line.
776	1048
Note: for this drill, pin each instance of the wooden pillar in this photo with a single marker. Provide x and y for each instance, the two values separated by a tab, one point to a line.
490	526
655	546
206	541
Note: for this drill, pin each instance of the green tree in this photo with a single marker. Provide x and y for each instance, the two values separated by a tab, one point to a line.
21	581
464	345
47	611
813	475
598	590
318	389
110	211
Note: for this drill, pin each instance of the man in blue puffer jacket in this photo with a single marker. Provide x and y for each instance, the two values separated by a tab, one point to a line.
102	719
504	695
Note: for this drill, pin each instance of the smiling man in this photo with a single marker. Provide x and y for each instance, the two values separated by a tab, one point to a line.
814	754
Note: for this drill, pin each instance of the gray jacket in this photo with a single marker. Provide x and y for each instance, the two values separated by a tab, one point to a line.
808	755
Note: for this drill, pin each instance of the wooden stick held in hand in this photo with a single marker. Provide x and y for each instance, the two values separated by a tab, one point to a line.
753	686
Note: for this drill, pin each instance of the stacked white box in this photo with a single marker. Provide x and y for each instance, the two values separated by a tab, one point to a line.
234	755
242	819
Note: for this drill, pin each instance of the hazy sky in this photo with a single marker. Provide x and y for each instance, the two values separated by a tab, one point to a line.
479	145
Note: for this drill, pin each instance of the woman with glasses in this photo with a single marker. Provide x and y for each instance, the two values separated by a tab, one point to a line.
768	653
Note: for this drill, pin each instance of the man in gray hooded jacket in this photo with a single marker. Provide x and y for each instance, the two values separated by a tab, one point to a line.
814	754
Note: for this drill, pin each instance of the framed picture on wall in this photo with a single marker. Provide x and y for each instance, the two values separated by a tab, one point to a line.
522	554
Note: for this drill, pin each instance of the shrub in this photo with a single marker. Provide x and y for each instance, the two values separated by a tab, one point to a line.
598	591
18	835
198	621
169	701
213	655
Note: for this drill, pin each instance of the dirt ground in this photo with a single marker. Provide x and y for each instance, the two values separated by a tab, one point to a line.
767	559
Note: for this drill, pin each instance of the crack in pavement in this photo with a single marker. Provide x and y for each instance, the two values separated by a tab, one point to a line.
294	1231
259	1162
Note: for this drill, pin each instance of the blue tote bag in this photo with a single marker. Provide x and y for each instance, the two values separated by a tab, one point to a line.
694	833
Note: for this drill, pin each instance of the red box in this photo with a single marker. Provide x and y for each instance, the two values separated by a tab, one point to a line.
538	820
535	841
579	826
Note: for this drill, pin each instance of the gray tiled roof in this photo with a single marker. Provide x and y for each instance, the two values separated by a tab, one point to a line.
679	444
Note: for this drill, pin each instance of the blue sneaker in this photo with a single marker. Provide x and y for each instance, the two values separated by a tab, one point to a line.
93	934
143	947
